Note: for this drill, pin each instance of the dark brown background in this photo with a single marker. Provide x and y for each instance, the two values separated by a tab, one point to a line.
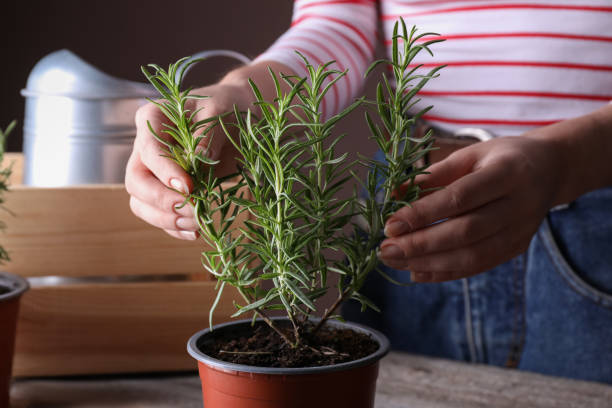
118	36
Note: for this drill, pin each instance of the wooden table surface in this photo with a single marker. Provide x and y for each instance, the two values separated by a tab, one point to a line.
405	381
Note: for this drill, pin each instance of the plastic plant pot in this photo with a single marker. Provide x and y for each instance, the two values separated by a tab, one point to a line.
11	289
351	384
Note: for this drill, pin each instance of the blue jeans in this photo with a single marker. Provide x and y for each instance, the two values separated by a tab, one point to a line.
548	310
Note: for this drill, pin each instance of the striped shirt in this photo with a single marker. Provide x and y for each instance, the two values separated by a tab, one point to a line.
512	64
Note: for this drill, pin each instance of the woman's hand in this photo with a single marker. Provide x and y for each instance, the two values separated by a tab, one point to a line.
150	176
494	196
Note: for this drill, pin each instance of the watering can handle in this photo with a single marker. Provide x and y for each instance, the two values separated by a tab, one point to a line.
212	53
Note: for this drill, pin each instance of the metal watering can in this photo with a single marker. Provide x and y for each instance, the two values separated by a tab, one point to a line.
79	122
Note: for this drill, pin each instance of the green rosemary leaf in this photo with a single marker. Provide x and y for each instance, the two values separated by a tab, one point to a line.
394	49
373	66
300	295
255	305
365	302
393	281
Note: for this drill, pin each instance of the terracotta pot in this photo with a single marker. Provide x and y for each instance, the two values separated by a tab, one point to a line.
9	308
224	384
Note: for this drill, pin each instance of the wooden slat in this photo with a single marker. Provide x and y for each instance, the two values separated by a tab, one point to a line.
89	231
113	328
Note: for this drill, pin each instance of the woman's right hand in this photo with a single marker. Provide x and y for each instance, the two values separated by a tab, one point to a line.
150	177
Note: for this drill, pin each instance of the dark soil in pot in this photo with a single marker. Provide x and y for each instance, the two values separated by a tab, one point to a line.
4	289
261	346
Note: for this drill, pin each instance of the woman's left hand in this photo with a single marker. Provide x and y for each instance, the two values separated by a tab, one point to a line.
494	196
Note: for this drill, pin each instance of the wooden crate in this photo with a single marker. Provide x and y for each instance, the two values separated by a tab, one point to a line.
111	294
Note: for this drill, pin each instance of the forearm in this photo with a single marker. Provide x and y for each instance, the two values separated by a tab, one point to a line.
584	145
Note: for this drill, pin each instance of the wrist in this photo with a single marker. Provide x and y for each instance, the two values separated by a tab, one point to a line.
582	149
259	73
237	83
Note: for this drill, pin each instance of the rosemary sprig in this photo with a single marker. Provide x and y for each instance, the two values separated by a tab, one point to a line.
390	183
402	150
288	177
293	181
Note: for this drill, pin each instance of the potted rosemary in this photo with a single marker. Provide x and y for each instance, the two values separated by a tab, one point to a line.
288	177
11	289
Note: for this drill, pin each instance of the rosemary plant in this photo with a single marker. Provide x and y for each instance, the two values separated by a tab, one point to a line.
5	173
287	181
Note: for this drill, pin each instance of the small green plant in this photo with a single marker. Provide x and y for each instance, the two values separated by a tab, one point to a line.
5	173
289	174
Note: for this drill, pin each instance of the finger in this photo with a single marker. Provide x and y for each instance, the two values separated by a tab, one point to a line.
151	151
143	185
467	193
160	219
444	172
150	114
468	261
450	234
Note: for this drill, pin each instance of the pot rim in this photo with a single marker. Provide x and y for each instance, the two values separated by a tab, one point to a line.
381	339
16	284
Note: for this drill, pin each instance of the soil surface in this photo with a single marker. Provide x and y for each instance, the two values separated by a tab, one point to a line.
263	347
4	289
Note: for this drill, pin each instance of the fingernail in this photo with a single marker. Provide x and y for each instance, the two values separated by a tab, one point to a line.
178	185
395	227
184	223
391	252
190	235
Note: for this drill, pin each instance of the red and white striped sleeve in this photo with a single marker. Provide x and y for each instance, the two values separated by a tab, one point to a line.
326	30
